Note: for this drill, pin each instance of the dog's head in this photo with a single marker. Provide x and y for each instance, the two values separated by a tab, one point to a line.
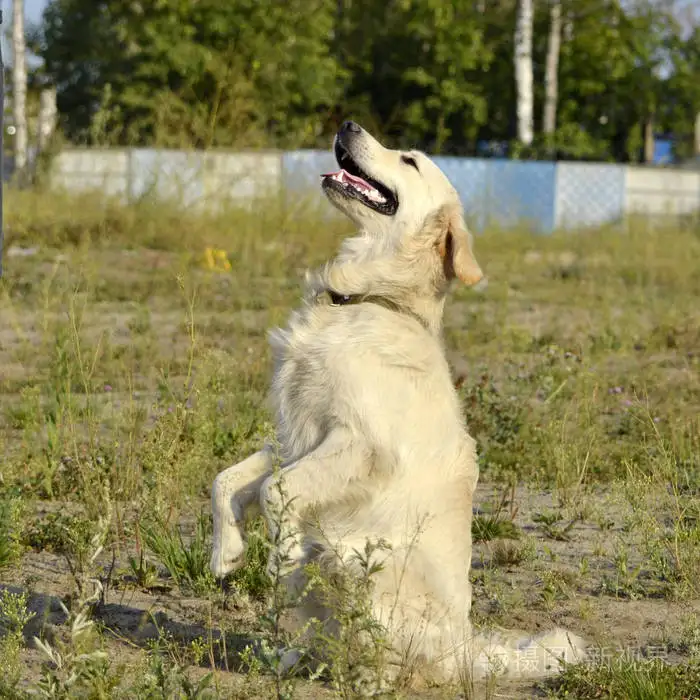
391	194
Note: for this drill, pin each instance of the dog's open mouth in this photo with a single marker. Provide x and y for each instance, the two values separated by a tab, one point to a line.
354	183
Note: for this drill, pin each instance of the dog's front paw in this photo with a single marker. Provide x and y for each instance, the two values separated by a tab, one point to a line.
228	552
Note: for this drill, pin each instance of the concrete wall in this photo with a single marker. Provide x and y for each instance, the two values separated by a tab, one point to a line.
538	195
662	192
190	178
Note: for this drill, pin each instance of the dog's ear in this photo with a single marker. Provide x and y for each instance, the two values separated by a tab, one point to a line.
455	247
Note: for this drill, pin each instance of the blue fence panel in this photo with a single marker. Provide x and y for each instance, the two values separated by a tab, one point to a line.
301	176
302	170
542	196
174	175
469	176
521	194
589	194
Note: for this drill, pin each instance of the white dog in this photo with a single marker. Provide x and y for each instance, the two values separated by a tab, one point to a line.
372	438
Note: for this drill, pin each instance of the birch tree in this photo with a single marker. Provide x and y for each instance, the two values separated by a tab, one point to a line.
19	87
47	118
523	71
551	81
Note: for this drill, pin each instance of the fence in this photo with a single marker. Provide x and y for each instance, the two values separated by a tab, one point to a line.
495	192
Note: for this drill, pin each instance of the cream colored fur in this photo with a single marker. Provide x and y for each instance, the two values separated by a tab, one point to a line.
373	441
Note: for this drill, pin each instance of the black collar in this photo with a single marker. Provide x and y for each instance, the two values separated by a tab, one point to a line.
338	299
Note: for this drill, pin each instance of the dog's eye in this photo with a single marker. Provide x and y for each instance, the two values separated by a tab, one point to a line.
410	161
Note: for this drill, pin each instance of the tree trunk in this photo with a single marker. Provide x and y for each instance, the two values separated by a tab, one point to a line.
19	88
697	134
551	86
523	71
649	139
47	118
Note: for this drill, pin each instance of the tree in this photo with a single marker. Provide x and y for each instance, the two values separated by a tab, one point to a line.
19	88
176	73
549	118
416	70
523	71
679	109
422	73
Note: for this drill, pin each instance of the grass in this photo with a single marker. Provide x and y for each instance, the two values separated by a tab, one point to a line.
134	366
186	562
630	679
10	538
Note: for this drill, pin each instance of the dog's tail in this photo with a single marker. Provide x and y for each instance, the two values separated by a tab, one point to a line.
513	655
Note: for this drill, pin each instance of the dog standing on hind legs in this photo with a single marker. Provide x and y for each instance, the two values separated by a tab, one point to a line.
372	438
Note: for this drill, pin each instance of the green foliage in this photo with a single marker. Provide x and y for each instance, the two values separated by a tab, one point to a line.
178	73
583	380
424	73
630	679
416	66
487	528
681	102
495	523
358	651
253	578
13	618
77	666
186	562
10	531
164	678
60	533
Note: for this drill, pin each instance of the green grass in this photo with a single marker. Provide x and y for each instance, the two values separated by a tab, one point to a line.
187	561
131	373
10	535
489	528
631	680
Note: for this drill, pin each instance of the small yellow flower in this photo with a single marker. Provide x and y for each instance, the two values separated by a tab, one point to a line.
216	259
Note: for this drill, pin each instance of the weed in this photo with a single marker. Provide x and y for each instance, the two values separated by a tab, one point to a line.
629	679
487	528
626	581
163	676
78	666
508	554
131	374
253	578
79	540
549	523
556	585
143	573
11	512
13	618
358	651
497	523
186	562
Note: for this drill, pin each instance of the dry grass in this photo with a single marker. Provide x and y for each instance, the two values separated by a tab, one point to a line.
131	372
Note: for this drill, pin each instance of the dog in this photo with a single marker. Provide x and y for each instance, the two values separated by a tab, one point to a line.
373	444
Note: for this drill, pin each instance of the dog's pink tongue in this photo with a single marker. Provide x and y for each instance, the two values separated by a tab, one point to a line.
345	176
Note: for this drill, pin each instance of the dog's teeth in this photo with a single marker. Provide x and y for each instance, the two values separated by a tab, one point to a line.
376	196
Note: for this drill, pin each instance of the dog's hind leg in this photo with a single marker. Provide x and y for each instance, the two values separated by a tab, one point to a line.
233	491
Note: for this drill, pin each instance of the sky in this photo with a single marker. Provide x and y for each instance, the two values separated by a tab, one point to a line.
32	10
32	14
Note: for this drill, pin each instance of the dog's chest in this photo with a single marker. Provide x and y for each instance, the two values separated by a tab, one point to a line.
352	366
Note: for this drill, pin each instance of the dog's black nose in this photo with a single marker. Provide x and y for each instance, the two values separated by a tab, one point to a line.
351	126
